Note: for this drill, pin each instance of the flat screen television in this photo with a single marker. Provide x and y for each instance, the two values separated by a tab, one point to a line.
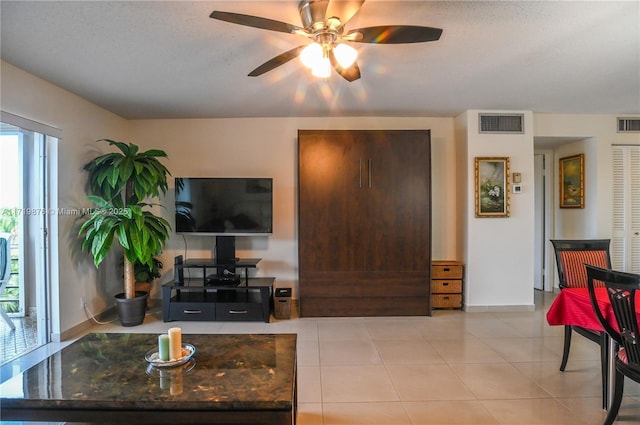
224	206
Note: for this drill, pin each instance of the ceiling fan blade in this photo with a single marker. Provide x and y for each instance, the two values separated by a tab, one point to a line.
255	21
350	74
345	10
275	62
394	34
312	11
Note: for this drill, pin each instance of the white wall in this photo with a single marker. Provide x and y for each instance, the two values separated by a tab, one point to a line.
593	135
81	123
267	147
499	251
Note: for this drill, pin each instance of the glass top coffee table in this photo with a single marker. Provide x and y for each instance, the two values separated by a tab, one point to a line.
231	378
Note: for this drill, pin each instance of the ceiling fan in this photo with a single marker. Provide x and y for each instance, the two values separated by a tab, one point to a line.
323	22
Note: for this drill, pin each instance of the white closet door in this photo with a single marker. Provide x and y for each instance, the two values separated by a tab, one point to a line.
625	243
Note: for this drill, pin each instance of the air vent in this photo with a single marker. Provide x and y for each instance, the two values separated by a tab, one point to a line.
628	125
501	123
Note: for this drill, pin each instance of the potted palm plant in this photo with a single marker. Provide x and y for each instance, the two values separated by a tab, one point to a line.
144	275
121	183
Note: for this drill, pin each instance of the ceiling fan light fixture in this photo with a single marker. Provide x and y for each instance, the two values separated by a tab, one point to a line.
345	55
322	68
311	54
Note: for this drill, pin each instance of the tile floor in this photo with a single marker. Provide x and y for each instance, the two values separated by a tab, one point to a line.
16	342
451	368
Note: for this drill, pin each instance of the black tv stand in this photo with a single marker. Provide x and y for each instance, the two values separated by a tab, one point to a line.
247	299
226	248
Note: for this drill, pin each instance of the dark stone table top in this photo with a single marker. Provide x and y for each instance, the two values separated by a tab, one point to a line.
109	371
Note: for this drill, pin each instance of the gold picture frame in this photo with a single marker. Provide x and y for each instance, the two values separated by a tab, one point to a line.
572	181
492	186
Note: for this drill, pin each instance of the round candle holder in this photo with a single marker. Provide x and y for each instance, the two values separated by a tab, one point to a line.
153	357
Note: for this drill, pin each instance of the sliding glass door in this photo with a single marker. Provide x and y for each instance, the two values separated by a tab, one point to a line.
24	214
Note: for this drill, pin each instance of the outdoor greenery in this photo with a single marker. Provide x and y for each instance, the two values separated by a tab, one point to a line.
8	224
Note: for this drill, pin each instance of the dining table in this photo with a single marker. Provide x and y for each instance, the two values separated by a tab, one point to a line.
572	306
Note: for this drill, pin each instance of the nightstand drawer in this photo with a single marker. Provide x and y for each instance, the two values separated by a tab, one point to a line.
448	271
446	300
446	286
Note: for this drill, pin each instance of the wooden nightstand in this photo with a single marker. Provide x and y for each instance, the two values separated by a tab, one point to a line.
447	283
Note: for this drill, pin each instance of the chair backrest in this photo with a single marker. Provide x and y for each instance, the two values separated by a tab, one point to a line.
5	257
621	288
573	254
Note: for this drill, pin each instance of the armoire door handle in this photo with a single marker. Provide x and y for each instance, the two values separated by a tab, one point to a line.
360	174
370	172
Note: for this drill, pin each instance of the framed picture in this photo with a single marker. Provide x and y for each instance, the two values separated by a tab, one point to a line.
572	181
492	187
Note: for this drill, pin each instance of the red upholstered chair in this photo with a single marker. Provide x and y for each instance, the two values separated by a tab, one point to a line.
571	257
621	289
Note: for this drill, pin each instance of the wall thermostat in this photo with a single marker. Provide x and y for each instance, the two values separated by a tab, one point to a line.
517	177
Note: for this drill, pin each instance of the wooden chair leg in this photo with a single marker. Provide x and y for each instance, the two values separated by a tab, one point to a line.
617	399
604	368
567	346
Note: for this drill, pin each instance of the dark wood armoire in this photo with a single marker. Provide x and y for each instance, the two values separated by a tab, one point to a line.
364	222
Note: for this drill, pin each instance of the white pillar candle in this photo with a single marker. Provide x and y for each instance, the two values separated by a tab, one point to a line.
175	343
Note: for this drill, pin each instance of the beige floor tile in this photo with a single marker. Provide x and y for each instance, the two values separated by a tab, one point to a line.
581	380
498	381
382	413
532	412
491	327
342	384
343	330
308	352
460	412
466	350
343	352
309	385
407	352
587	409
524	349
453	368
526	324
395	329
309	414
443	326
581	348
428	382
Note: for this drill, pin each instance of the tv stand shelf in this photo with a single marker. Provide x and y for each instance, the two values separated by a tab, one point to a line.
205	263
247	299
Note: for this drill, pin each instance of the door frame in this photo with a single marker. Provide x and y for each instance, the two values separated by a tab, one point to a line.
548	217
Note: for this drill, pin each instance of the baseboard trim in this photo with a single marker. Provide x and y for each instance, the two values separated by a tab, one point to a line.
498	308
81	328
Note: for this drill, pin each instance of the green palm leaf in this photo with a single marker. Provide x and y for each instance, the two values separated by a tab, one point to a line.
120	182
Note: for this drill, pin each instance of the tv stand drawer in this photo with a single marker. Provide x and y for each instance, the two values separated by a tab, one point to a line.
192	311
239	311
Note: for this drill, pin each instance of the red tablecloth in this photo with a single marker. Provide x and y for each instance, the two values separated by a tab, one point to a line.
573	307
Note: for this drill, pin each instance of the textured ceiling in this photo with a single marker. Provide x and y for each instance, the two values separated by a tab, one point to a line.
168	59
